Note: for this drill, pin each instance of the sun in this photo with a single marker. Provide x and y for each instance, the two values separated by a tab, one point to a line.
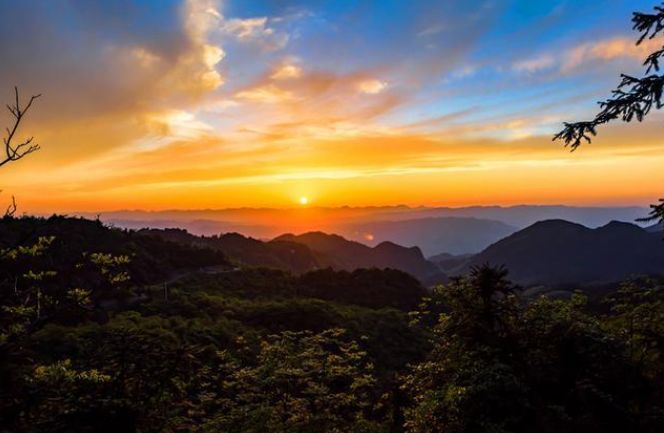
304	201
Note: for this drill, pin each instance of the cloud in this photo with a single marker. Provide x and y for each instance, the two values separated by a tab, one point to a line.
608	49
371	86
312	106
108	76
247	29
588	53
431	30
269	94
176	124
536	64
255	30
286	70
200	18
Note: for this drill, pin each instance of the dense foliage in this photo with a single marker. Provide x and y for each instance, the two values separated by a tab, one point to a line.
500	364
104	331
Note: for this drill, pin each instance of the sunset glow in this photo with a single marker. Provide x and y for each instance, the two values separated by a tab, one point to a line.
243	103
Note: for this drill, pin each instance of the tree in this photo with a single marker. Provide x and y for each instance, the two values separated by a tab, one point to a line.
504	363
634	97
14	152
298	382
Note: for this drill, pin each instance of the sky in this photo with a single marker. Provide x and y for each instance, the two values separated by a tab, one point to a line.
193	104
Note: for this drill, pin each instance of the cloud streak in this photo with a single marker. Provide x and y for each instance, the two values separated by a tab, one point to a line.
588	54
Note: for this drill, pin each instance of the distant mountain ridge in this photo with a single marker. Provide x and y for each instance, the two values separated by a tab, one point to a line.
455	235
434	229
560	252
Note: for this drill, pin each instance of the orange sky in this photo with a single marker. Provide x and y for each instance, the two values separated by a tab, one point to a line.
240	113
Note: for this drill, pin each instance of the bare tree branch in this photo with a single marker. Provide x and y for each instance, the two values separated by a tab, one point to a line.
14	152
11	209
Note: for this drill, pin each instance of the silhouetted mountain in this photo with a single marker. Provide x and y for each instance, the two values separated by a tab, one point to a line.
289	256
454	235
521	216
339	253
559	252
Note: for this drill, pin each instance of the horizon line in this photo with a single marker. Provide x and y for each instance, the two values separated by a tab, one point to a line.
346	207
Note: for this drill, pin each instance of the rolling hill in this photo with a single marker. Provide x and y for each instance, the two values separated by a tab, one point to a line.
243	250
557	252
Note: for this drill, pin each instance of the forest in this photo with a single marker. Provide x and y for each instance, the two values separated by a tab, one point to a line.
107	330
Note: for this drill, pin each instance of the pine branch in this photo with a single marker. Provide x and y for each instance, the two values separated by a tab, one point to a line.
656	213
634	97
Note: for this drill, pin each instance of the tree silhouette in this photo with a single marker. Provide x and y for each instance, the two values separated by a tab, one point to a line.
14	152
634	97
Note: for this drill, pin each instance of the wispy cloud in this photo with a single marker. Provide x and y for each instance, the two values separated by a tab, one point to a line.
608	49
255	30
286	70
588	53
371	86
544	61
269	94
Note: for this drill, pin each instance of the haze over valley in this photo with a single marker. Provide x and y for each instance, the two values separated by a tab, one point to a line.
433	229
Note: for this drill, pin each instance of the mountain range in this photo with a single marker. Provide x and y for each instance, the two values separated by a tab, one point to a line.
307	252
558	252
552	253
434	230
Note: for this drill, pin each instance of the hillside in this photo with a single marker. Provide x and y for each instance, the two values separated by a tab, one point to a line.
446	261
339	253
307	252
152	259
655	228
559	252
